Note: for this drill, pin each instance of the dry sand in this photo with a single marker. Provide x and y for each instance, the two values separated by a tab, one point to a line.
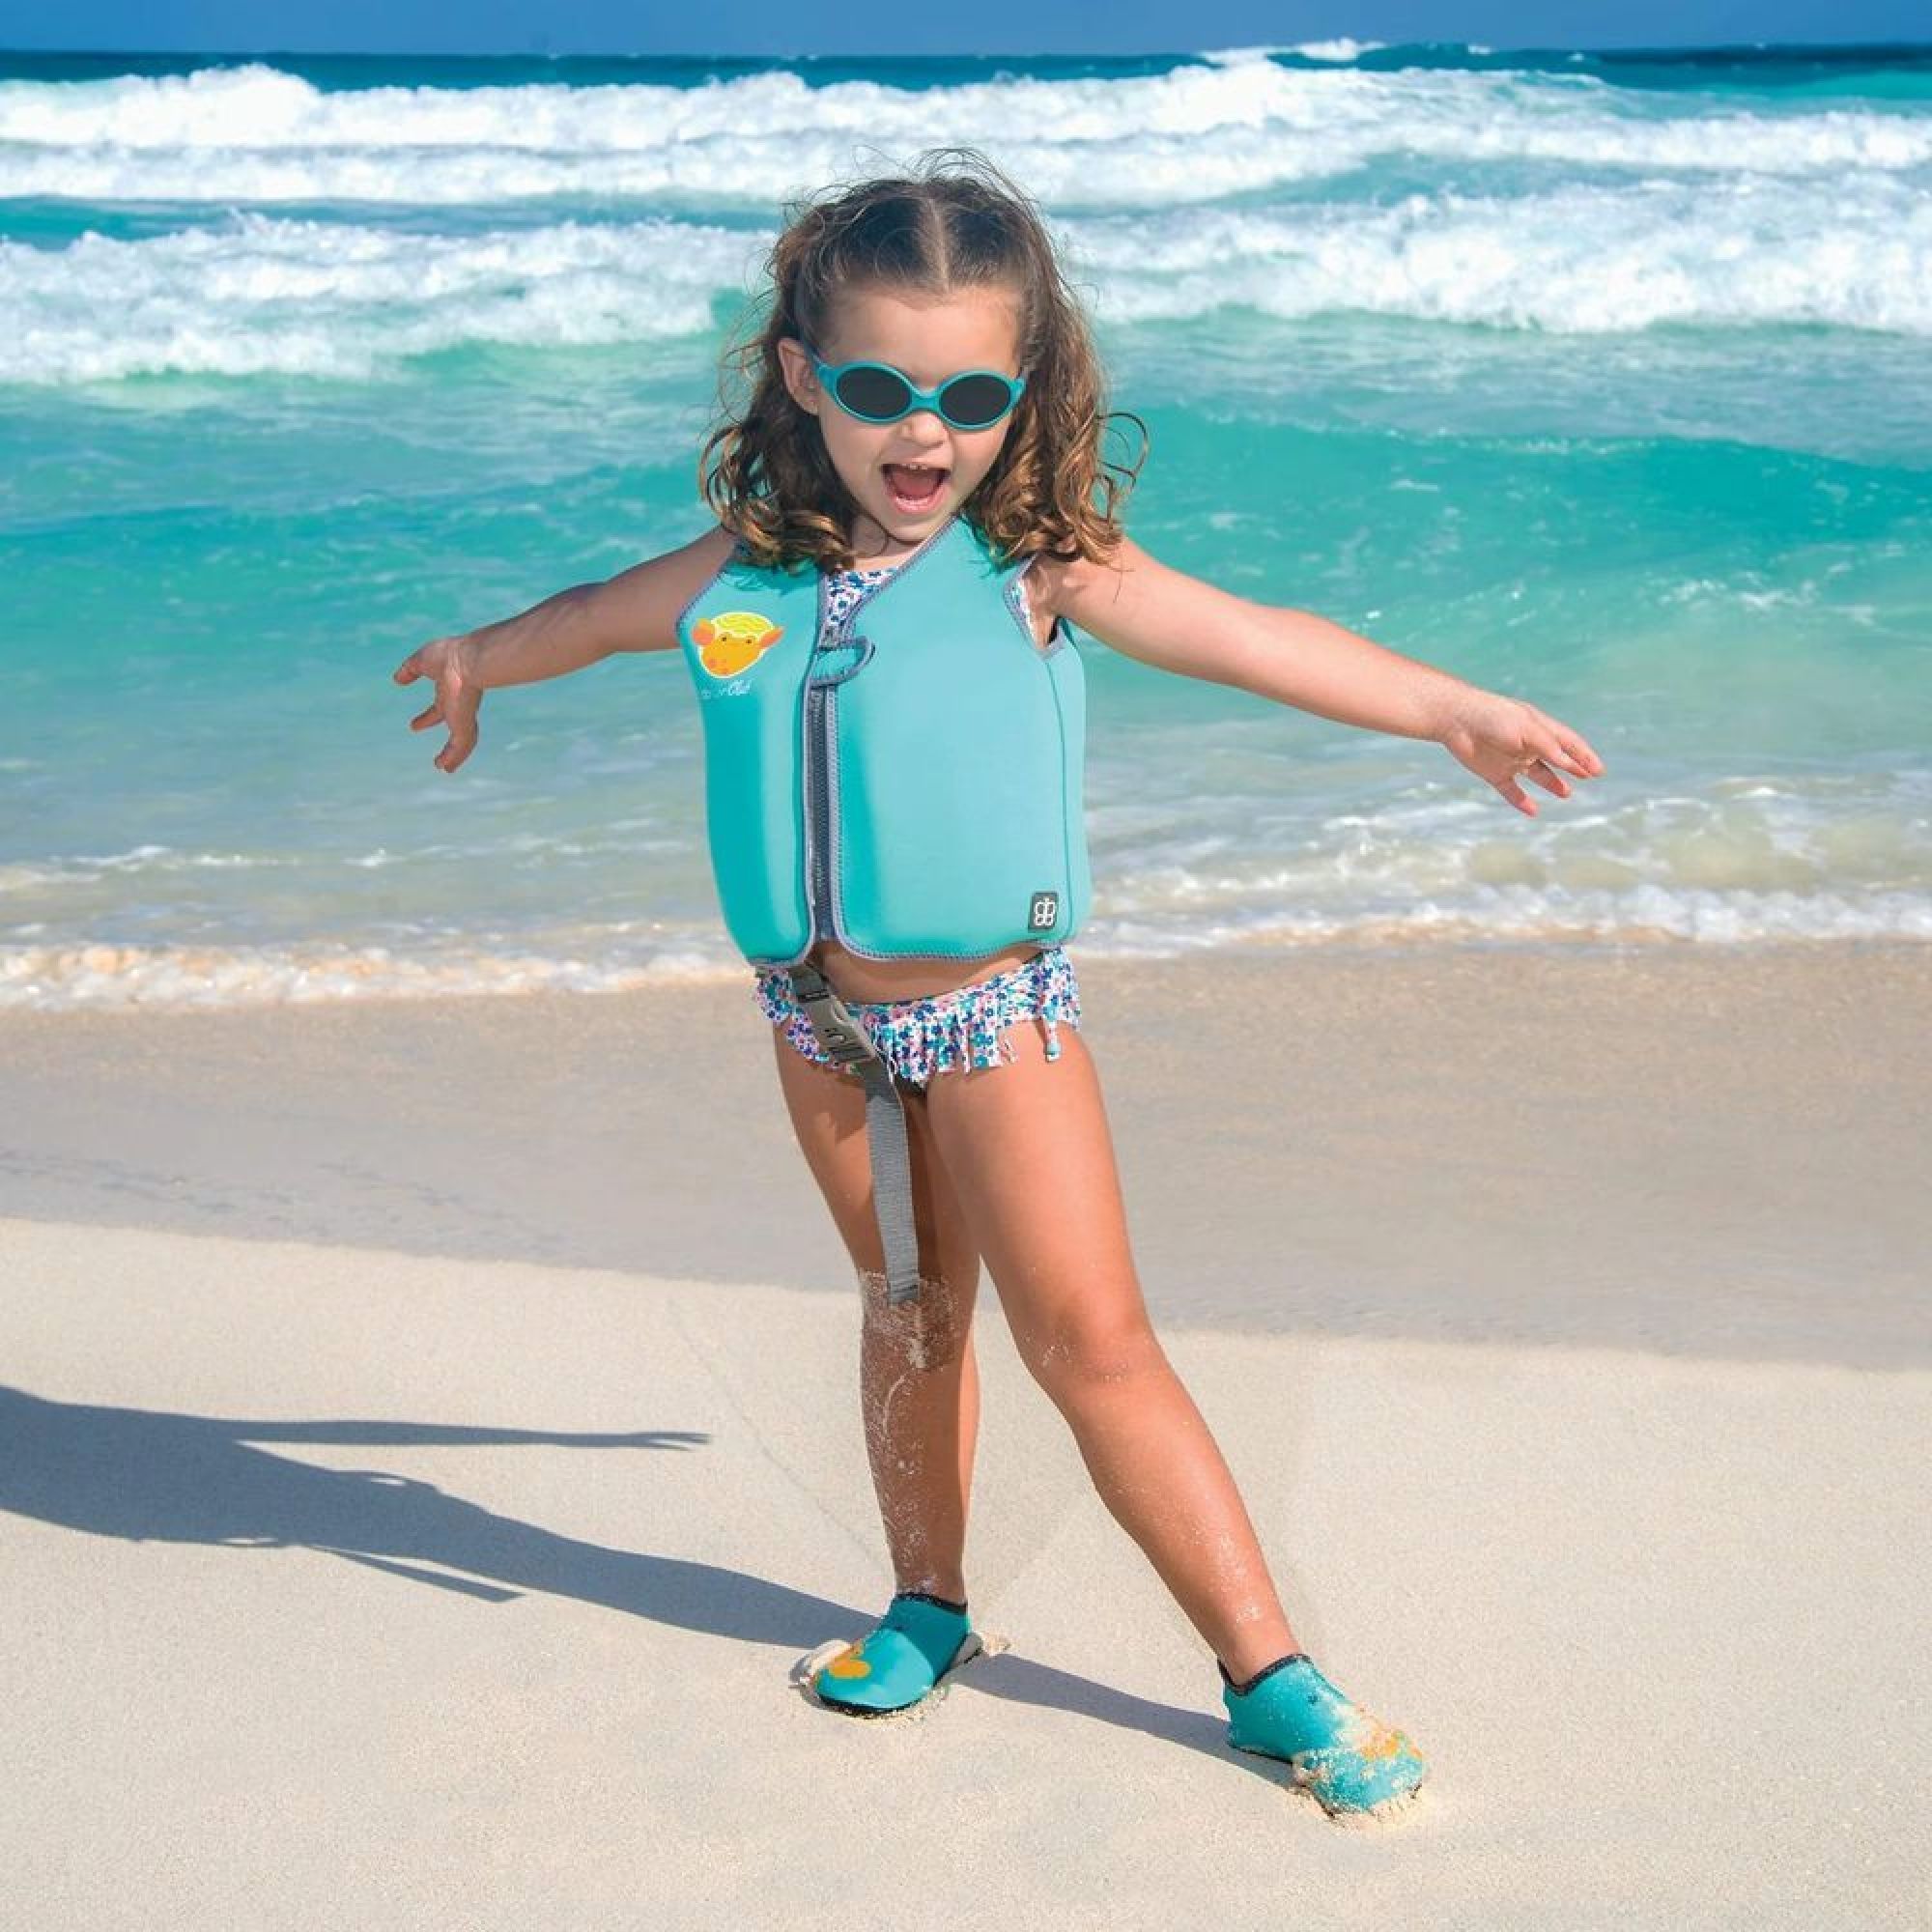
430	1436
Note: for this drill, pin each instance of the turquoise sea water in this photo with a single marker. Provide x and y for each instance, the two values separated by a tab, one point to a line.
1601	379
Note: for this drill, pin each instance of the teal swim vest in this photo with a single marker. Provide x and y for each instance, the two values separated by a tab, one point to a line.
905	783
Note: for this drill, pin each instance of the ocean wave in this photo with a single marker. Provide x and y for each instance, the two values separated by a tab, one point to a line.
1577	259
1197	846
1339	50
175	977
1193	134
259	294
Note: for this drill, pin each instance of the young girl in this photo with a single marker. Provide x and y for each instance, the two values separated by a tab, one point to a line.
893	714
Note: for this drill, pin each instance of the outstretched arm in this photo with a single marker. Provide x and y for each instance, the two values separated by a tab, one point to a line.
636	610
1164	618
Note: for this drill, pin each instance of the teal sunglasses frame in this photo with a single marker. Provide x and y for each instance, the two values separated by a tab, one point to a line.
828	375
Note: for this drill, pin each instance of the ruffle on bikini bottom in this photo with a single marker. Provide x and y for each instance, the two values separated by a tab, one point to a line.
967	1027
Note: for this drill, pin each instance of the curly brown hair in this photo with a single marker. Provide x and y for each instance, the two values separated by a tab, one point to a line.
957	223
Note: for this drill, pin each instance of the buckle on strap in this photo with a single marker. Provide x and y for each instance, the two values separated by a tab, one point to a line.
839	1032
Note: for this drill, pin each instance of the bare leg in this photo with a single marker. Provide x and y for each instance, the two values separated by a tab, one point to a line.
919	1378
1028	1151
919	1396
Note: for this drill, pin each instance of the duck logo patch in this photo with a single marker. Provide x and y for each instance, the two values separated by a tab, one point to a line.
733	641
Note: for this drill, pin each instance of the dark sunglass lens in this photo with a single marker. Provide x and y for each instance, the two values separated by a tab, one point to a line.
872	392
976	399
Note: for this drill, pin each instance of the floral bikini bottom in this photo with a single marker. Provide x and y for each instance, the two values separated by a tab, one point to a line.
965	1028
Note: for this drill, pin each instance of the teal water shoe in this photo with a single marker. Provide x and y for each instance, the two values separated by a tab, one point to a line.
1348	1760
918	1642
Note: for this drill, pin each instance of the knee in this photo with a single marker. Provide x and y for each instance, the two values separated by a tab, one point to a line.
1092	1358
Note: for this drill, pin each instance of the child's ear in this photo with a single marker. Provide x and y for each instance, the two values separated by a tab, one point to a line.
795	366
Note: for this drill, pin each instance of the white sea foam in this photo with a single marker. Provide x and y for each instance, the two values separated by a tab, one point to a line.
1689	212
173	978
1343	50
256	293
1193	134
259	293
57	978
1576	258
1198	842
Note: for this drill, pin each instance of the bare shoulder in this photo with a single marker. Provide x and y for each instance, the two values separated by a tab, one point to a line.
1055	584
646	600
1079	588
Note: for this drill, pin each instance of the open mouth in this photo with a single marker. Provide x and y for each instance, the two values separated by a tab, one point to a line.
914	490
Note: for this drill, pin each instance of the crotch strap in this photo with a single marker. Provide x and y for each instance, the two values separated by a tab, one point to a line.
843	1041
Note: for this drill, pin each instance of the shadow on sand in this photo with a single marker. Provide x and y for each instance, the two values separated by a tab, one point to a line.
148	1475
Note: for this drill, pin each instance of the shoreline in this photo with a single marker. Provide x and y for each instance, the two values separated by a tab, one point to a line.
1692	1153
150	979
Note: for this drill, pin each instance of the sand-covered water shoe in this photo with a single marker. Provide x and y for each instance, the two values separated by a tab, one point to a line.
1351	1763
918	1642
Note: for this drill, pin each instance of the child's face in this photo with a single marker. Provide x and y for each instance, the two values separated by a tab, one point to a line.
927	342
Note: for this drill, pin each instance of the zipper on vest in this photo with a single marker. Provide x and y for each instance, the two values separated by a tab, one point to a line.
810	764
818	728
822	736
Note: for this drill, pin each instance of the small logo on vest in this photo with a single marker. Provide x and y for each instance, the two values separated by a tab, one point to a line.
733	641
1043	913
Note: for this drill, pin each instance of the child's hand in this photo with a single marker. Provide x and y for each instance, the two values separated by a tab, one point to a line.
1502	739
457	697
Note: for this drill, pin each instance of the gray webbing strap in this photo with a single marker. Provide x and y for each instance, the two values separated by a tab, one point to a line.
846	1042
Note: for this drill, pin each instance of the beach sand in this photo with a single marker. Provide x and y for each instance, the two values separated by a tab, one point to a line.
430	1439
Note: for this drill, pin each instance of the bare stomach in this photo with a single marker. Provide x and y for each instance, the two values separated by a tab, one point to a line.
917	977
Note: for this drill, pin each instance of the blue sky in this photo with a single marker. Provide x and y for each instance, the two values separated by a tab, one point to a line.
988	26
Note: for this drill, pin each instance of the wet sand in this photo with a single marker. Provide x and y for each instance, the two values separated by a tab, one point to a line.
1708	1151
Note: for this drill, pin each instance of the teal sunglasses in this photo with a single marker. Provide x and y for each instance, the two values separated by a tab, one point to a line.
875	392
